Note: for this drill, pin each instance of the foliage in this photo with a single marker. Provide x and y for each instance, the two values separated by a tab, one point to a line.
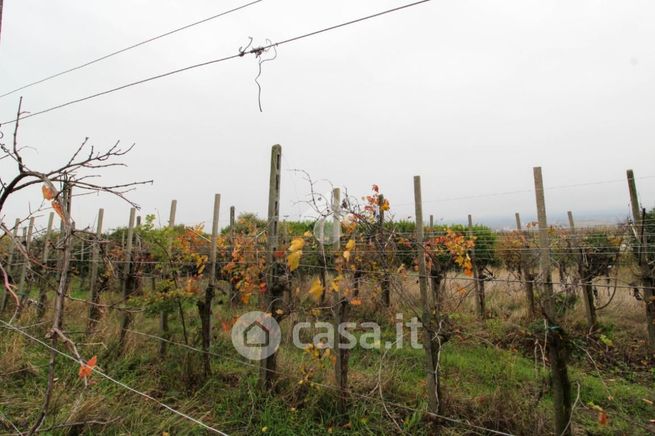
599	251
449	250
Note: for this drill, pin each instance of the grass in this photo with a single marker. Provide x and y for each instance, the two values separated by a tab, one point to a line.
493	377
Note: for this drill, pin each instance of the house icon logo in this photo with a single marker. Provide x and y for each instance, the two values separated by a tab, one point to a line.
256	335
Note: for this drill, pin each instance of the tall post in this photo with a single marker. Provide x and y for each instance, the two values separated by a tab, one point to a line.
273	290
556	347
94	312
25	265
641	251
634	200
81	264
10	261
517	216
163	315
205	307
430	338
341	309
384	284
525	267
45	273
128	282
479	286
232	289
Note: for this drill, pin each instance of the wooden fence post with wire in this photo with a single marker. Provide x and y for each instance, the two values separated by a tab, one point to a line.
431	343
26	264
525	268
163	315
44	281
233	294
205	306
380	236
641	250
10	262
557	352
340	314
479	285
273	297
128	282
94	295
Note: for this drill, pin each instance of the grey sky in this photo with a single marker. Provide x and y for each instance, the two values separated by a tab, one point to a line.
468	94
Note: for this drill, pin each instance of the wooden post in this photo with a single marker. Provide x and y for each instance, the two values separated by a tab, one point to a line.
163	315
205	307
273	290
517	216
430	339
384	284
647	278
341	314
233	296
81	265
45	273
479	285
10	261
634	200
431	232
127	285
526	270
25	265
556	347
94	311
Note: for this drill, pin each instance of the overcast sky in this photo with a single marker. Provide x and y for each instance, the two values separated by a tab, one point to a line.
468	94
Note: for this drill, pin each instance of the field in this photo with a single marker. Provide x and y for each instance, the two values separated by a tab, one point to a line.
494	373
353	323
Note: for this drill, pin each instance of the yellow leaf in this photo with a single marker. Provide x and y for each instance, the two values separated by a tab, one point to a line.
356	302
296	245
307	234
346	255
293	260
335	283
385	205
316	290
350	245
